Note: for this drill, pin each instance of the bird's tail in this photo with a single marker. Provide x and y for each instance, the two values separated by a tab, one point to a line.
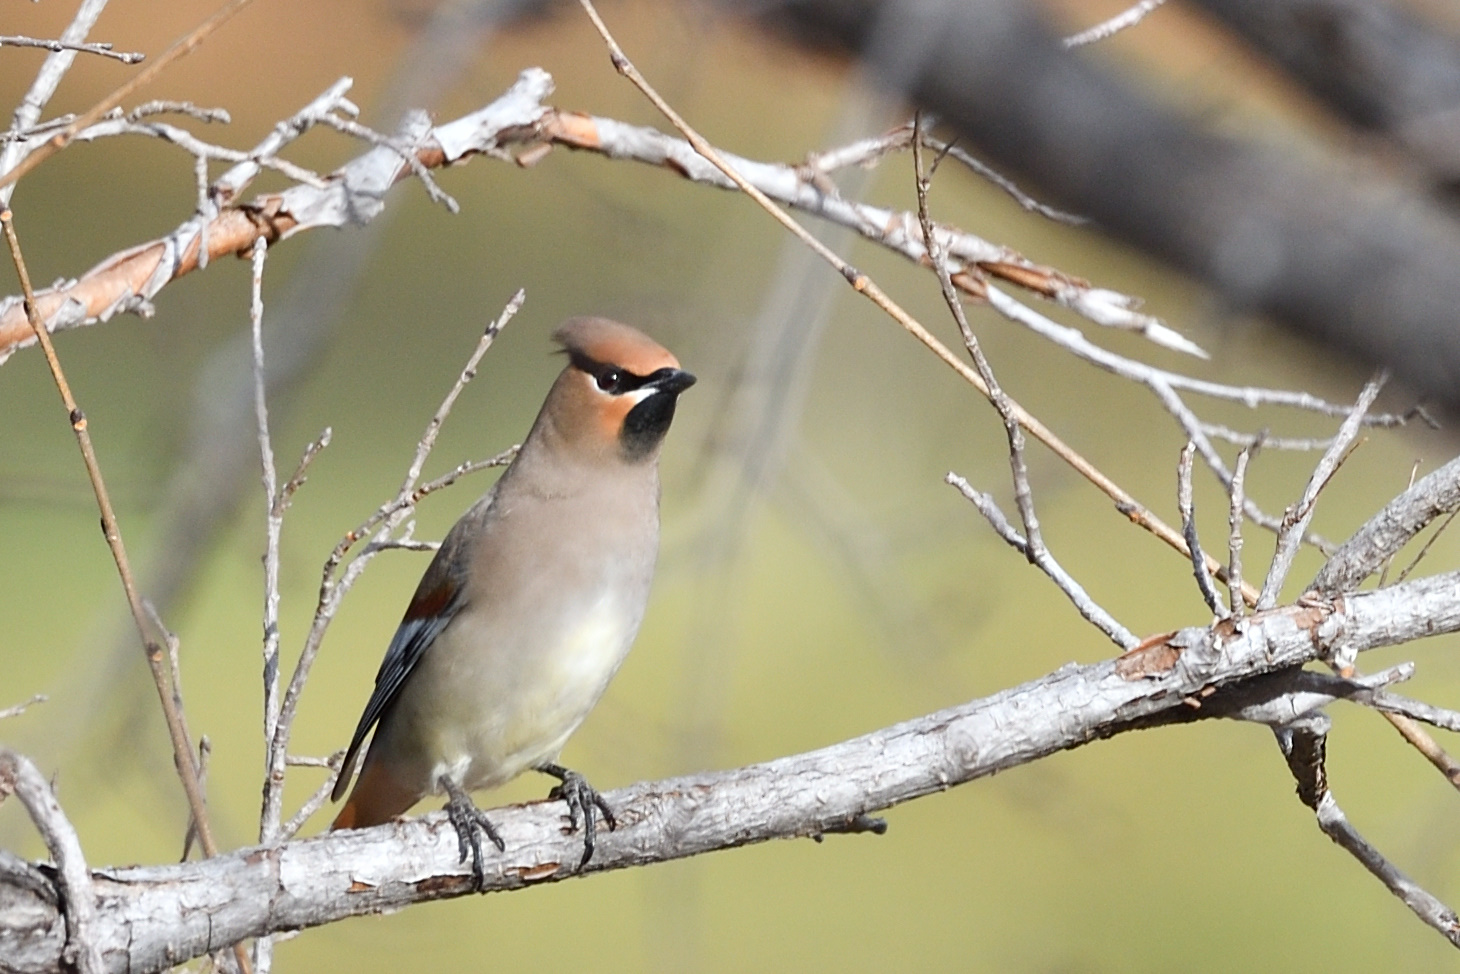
377	797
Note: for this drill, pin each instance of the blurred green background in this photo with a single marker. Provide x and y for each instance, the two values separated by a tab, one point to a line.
838	587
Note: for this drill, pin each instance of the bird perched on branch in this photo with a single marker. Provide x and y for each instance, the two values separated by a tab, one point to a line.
531	603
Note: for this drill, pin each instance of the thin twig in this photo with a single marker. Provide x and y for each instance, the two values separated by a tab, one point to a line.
1126	18
1304	745
867	152
1425	549
1217	431
1420	739
1074	341
1187	508
1034	548
1023	493
205	751
47	79
227	187
1389	562
408	154
185	45
1234	530
1295	520
986	506
104	49
1074	591
169	107
1421	902
406	501
468	372
1165	386
177	730
309	761
37	130
174	648
865	286
202	152
1435	494
315	801
273	790
862	152
998	179
286	493
1415	709
401	544
20	708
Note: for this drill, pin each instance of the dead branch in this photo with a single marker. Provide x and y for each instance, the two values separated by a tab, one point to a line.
152	917
353	194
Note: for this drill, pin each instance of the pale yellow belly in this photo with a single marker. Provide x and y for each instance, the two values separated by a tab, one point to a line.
487	706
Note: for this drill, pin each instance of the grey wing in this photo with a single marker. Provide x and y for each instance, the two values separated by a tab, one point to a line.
439	597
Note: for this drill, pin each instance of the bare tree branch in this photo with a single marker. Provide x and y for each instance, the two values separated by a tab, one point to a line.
16	710
1435	716
167	692
1127	18
1289	235
158	916
1425	905
353	194
1040	557
74	887
28	112
1295	520
1304	743
1236	488
103	49
1434	495
28	157
1187	509
1032	545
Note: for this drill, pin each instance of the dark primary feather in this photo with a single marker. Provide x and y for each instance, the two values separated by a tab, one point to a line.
439	597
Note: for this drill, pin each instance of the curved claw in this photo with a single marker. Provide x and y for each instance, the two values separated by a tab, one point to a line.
580	797
470	823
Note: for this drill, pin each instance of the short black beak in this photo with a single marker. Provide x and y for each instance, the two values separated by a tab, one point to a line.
672	381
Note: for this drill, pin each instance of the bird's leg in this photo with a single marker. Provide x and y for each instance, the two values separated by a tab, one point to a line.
580	796
470	822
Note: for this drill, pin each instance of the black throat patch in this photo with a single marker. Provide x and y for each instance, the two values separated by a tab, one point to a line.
645	426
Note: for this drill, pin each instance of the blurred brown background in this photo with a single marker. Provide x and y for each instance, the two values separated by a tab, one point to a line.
818	579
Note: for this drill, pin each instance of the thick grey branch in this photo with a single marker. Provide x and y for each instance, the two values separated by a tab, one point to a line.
1432	496
77	902
151	917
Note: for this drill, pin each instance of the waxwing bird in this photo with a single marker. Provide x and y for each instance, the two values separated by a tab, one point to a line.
530	604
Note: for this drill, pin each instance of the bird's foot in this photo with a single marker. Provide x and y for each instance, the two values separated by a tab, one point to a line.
580	796
470	823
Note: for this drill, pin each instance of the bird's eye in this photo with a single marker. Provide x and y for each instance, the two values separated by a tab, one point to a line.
610	380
